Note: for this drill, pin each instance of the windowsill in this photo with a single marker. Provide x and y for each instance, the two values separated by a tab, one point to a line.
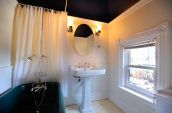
148	100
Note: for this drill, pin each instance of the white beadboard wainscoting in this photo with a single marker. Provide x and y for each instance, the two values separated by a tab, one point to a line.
6	78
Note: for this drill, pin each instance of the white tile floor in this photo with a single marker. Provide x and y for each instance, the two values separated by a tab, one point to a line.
101	106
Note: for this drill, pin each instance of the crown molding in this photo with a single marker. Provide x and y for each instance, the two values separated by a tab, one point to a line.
131	10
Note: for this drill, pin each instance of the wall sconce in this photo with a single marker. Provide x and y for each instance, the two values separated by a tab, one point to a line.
98	31
70	25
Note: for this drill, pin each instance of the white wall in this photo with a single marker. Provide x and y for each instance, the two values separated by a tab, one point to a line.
98	56
154	13
7	8
5	81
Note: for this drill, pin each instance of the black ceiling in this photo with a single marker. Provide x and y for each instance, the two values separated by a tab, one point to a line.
100	10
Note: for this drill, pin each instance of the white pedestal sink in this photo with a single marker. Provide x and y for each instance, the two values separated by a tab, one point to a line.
85	74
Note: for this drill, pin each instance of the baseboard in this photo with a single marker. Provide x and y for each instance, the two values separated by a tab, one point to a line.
122	105
77	100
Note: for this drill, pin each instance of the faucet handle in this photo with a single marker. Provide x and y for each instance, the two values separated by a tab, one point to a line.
86	65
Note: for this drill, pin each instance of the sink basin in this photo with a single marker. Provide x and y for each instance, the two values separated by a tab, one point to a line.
87	72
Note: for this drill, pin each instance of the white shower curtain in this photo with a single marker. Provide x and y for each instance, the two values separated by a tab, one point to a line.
37	32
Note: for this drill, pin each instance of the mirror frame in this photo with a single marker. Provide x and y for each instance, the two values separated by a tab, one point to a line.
83	40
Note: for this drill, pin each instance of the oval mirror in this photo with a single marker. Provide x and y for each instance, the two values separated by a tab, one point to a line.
83	40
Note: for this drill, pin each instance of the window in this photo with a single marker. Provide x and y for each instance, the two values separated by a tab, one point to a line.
140	65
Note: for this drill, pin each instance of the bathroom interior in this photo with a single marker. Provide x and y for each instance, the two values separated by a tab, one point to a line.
85	56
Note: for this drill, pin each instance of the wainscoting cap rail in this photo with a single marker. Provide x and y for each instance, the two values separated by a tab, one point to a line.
2	67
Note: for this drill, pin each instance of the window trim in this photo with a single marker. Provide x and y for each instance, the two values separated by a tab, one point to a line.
154	33
139	90
125	70
141	45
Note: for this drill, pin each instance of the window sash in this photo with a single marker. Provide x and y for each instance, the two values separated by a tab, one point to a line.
139	89
142	67
127	70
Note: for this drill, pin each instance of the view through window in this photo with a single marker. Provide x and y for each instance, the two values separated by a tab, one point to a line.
141	67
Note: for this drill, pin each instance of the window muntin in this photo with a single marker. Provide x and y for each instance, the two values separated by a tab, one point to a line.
141	65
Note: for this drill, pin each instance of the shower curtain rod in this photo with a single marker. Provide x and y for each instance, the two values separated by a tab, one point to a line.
66	5
45	9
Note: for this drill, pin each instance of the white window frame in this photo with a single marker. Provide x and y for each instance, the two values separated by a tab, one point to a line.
126	74
161	34
123	68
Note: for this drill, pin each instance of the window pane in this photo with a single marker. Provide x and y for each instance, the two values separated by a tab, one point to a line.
142	78
144	56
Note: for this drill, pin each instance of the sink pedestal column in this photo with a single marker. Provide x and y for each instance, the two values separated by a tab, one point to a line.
85	106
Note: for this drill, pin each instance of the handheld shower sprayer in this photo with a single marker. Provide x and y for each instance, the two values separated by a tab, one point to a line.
38	89
41	84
